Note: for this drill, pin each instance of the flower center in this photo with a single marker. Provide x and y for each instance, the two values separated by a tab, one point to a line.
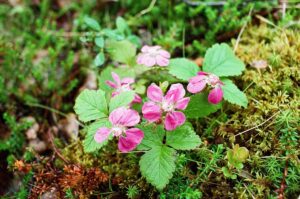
167	106
213	80
117	130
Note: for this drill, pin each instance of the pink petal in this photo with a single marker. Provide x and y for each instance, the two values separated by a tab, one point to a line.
102	134
196	84
161	61
154	93
111	84
215	95
148	61
202	73
175	93
137	99
182	104
134	136
164	53
151	111
173	120
116	77
127	80
125	117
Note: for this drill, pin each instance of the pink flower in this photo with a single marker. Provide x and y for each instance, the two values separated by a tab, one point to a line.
199	82
164	107
122	85
121	119
153	55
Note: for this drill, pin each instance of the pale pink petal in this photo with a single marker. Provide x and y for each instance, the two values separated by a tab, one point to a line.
182	103
134	136
116	77
102	134
140	59
154	93
173	120
145	49
161	61
215	95
196	87
137	99
116	116
115	93
164	53
148	60
151	111
124	116
175	93
111	84
127	80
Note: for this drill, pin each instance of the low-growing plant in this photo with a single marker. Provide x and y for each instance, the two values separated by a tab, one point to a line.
166	125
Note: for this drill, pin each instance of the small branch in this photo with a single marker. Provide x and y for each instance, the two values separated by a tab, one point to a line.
283	184
145	11
54	147
242	30
257	125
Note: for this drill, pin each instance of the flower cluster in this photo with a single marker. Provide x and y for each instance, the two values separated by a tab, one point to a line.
159	108
199	82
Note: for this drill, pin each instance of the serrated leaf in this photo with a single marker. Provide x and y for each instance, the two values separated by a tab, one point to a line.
220	60
91	105
183	138
123	99
122	51
200	107
106	75
89	143
158	165
99	59
92	23
183	68
99	41
153	136
233	94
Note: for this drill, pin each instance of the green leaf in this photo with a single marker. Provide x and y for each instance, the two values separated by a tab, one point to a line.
92	23
233	94
153	136
99	41
158	165
121	24
91	105
200	107
106	75
220	60
183	68
99	59
183	138
123	99
122	51
89	143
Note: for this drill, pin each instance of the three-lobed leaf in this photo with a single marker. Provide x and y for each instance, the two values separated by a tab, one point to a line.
122	99
89	143
183	138
91	105
158	165
221	61
200	107
183	68
153	136
233	94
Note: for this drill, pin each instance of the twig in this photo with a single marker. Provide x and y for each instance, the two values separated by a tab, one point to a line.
283	185
54	148
257	125
52	110
242	30
197	3
145	11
